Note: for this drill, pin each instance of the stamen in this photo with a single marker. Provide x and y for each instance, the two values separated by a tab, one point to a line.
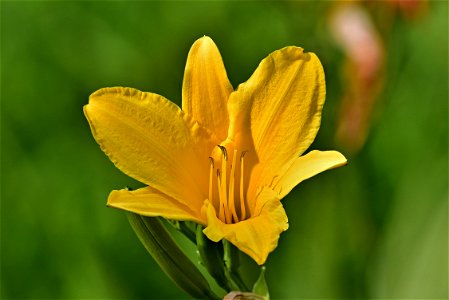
224	188
224	151
228	201
221	214
242	196
231	204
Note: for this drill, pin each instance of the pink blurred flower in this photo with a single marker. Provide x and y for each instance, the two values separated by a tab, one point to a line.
354	32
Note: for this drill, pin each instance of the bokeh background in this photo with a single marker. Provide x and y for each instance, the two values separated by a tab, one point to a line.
377	228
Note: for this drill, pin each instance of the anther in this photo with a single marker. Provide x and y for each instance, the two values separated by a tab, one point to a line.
224	151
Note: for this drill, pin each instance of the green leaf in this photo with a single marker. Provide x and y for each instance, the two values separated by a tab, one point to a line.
172	260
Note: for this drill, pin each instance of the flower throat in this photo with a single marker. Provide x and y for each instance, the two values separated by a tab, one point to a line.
231	205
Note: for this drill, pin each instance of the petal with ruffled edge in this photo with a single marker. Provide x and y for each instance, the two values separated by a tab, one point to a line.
277	112
307	166
256	236
150	139
150	202
206	87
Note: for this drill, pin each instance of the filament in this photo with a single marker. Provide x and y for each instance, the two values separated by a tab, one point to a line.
222	208
231	204
242	196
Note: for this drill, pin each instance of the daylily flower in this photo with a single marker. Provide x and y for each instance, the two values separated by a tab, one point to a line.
227	158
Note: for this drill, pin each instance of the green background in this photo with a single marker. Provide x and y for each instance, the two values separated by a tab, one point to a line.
377	228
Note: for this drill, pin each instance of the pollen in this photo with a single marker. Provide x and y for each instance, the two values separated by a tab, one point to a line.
226	186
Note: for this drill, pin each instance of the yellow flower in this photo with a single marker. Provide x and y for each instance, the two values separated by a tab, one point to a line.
261	129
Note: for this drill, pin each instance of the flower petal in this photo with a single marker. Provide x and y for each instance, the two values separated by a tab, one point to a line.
150	139
277	112
257	236
206	88
307	166
150	202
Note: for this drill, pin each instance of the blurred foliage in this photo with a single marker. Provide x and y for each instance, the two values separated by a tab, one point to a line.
374	229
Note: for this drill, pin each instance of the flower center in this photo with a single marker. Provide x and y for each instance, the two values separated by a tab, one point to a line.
228	188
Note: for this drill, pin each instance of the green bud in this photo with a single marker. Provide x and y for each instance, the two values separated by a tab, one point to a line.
172	260
260	286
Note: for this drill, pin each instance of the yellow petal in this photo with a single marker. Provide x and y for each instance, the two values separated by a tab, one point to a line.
150	202
307	166
206	88
257	236
150	139
277	112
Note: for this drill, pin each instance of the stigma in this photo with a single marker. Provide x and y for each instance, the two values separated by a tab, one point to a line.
226	186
